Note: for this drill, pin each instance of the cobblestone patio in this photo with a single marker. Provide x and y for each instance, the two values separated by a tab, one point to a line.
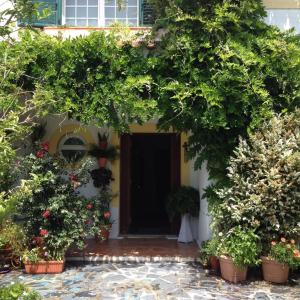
147	281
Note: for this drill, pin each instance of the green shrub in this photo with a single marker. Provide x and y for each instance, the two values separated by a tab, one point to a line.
265	176
18	291
54	213
242	246
183	200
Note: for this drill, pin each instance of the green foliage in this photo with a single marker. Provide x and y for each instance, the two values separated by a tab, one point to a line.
264	175
18	291
98	79
33	256
222	71
99	211
243	247
285	252
53	211
208	249
110	153
13	236
182	201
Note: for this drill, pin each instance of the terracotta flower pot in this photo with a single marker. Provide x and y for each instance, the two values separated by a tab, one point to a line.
44	267
102	161
104	233
230	272
214	263
274	271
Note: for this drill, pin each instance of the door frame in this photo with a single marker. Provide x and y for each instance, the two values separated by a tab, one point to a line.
125	174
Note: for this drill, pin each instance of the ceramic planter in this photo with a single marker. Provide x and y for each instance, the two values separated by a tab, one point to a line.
214	263
230	272
44	267
274	271
102	161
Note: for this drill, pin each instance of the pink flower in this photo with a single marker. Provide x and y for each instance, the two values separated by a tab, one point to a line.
43	232
45	146
283	240
293	242
40	154
273	243
46	254
107	215
46	214
89	206
296	253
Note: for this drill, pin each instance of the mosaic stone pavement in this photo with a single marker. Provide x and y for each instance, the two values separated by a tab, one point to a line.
147	281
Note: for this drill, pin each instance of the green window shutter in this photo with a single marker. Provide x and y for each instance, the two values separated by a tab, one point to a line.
147	16
52	20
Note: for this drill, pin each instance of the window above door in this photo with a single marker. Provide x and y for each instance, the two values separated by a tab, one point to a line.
96	13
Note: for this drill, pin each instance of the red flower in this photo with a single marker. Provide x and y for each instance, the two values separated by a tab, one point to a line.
296	253
106	215
46	214
72	178
283	240
40	154
43	232
45	146
89	206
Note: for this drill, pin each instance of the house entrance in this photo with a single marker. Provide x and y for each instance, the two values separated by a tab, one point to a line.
150	169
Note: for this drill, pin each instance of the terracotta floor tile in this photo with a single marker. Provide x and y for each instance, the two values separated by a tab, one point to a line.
137	247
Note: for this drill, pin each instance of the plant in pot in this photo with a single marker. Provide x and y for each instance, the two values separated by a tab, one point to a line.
100	219
184	202
103	155
12	245
208	255
40	261
282	256
238	250
54	214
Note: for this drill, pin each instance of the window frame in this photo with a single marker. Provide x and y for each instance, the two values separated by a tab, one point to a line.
101	15
67	136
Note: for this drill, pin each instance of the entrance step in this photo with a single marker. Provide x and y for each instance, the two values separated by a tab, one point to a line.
137	250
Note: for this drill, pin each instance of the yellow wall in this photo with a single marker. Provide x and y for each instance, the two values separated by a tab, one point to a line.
282	3
69	129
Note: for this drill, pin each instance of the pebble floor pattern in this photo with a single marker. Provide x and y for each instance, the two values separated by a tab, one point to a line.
147	281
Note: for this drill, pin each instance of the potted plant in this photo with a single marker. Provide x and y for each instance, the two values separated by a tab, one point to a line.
103	140
183	202
100	216
53	211
12	244
103	155
208	255
40	261
282	256
238	250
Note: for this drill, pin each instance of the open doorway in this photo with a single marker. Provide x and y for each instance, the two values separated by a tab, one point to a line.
150	169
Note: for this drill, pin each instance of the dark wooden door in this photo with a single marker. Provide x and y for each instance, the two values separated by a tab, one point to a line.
131	184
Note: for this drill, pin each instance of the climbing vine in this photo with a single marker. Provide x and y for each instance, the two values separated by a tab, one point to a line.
218	71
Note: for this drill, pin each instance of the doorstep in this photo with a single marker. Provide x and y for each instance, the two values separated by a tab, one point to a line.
137	250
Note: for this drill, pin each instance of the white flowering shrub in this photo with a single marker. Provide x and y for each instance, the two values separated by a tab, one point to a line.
265	177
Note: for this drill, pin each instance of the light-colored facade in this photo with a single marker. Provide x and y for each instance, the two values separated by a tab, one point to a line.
100	13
